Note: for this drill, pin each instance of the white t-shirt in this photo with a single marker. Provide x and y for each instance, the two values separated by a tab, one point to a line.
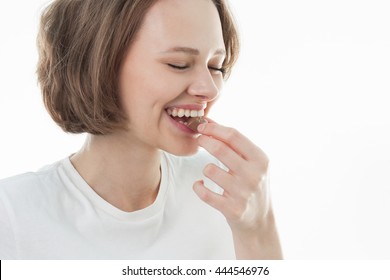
55	214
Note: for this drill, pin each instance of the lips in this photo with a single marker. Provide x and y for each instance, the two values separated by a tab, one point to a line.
183	114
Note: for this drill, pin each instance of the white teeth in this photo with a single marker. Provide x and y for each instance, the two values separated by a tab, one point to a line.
180	113
175	112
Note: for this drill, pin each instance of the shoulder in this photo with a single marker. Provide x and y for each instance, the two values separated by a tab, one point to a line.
24	200
26	186
18	182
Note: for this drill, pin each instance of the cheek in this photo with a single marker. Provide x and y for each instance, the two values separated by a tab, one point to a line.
146	99
210	105
148	88
219	83
135	90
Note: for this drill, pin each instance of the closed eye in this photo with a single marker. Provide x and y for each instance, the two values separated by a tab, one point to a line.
221	70
184	67
179	67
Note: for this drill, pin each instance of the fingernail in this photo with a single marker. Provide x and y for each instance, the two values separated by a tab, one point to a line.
201	127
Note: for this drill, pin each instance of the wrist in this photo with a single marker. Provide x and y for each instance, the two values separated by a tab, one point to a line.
261	242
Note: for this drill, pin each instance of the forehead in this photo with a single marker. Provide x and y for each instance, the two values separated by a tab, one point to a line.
192	23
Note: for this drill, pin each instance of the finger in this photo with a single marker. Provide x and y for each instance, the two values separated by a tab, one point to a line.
211	198
234	139
220	177
222	152
210	120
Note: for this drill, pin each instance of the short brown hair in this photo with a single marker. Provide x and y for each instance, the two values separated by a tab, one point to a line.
81	45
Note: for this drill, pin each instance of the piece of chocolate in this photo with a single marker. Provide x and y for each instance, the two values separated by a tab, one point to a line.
194	122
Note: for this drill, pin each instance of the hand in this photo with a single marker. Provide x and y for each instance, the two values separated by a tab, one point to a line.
245	201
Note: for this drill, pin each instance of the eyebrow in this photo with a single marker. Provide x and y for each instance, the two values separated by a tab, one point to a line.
192	51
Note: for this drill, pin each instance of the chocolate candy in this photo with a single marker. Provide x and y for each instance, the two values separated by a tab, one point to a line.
194	122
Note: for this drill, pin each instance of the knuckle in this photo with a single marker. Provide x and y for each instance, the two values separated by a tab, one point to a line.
255	181
236	213
210	170
259	152
237	209
256	178
262	163
206	197
219	149
232	134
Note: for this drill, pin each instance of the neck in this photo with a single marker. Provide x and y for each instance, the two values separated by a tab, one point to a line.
125	173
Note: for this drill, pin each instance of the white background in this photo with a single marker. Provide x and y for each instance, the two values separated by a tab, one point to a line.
311	88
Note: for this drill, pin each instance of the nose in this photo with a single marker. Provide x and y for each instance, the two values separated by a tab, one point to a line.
205	85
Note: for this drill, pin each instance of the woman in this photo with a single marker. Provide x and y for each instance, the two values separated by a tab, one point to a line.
131	74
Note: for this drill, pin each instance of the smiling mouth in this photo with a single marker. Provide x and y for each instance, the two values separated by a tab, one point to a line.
184	115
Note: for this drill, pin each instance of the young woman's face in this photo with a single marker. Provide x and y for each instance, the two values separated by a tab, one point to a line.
173	65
